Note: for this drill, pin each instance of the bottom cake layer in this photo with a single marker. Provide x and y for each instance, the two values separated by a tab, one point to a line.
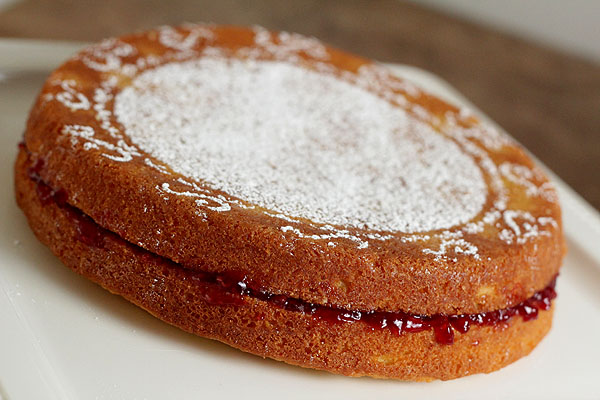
261	327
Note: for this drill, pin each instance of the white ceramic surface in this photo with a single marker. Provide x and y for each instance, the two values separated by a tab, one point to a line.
62	337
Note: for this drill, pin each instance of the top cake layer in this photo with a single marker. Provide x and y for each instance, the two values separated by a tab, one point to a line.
315	173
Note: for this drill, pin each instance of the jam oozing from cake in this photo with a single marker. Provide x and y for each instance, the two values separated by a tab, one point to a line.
397	323
88	231
233	288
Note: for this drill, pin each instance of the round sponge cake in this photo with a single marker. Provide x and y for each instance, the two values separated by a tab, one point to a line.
294	201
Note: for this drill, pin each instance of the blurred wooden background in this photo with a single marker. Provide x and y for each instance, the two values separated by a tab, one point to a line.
548	101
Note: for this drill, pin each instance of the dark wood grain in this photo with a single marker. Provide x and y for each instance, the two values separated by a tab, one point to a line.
548	101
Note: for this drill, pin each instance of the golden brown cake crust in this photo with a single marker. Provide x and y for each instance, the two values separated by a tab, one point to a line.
518	253
165	290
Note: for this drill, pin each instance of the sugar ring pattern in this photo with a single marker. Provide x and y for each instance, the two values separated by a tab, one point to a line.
463	142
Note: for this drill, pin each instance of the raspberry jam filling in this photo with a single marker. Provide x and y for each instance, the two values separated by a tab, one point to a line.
232	289
88	231
227	289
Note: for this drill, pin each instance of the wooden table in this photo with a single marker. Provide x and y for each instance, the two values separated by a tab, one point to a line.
548	101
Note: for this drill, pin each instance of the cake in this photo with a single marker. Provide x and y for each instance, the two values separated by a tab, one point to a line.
293	201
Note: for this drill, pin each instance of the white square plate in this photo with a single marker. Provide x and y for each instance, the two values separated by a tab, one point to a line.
64	337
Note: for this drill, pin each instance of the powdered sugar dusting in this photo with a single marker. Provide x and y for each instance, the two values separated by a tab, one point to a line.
279	136
347	149
70	97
